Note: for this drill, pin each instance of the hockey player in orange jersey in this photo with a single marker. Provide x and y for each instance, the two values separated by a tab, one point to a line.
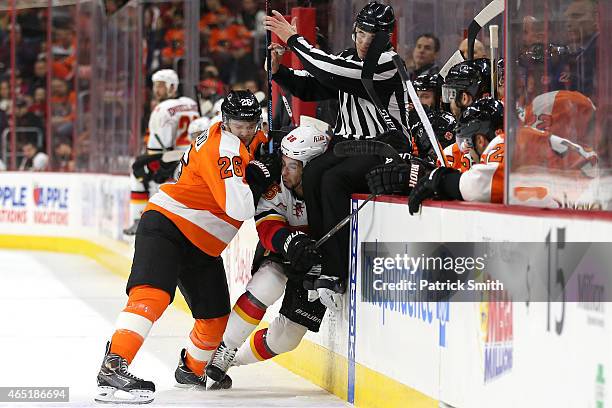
477	135
484	182
284	255
183	230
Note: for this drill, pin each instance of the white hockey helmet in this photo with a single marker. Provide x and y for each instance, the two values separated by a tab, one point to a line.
197	126
169	77
304	143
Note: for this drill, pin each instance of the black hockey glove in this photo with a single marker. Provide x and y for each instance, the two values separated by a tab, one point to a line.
165	171
397	178
260	174
442	183
299	249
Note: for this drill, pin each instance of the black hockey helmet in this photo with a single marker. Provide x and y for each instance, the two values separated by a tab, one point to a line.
443	124
484	117
241	105
375	17
473	77
429	82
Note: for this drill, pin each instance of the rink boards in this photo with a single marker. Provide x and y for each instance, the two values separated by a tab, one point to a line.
374	354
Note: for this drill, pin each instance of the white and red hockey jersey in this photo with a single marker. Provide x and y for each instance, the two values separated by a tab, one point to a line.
169	124
279	209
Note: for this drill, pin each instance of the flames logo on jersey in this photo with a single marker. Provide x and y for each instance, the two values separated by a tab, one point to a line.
298	209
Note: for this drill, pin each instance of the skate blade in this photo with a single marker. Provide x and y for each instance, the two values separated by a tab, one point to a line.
224	384
112	395
194	387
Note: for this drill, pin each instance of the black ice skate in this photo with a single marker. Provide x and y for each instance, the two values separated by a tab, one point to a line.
133	228
187	378
221	362
118	386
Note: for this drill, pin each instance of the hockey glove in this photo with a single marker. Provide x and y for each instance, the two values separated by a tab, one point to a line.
442	183
260	174
165	172
397	178
299	249
330	290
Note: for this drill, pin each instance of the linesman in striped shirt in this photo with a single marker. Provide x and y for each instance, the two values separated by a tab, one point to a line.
329	180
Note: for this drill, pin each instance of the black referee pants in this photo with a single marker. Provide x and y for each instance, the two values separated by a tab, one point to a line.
328	182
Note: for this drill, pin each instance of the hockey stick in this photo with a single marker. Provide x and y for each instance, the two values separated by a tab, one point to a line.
494	43
377	47
197	95
487	14
401	69
342	223
351	148
269	71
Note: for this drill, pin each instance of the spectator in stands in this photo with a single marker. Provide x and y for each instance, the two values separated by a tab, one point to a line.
479	49
174	40
26	51
230	44
39	105
33	158
5	96
252	17
583	36
62	112
2	166
424	55
62	158
39	79
26	118
64	51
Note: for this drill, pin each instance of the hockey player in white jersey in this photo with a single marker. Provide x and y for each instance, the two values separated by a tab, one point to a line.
284	255
168	131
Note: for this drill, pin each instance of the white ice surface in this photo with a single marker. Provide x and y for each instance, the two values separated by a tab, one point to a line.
56	313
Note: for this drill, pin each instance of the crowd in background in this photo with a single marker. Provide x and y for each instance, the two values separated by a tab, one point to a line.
232	48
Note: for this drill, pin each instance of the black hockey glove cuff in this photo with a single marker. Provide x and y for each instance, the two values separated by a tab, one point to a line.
397	178
165	172
299	249
330	282
441	183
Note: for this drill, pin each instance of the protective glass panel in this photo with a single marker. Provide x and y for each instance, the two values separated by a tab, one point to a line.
558	104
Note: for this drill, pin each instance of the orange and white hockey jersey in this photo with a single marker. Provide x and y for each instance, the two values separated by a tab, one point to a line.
567	114
456	159
484	181
169	124
210	200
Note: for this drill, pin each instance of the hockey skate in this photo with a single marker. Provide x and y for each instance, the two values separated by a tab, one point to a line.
221	362
133	228
118	386
186	378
